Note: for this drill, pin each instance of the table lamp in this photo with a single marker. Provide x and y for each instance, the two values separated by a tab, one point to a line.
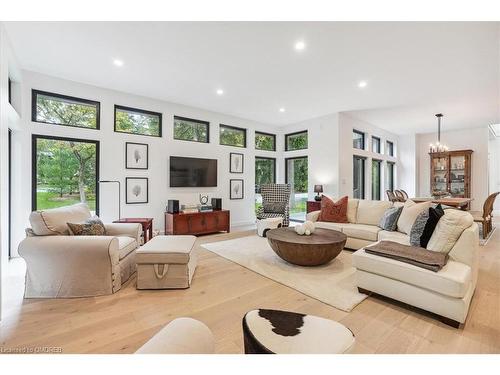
318	189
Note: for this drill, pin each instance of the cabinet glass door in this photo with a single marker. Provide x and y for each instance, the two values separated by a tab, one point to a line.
457	175
440	176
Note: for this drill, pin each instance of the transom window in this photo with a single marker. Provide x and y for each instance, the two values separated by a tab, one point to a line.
232	136
188	129
57	109
390	148
296	141
376	145
137	121
358	139
265	141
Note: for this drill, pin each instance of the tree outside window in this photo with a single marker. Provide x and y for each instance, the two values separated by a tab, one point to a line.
232	136
137	121
191	130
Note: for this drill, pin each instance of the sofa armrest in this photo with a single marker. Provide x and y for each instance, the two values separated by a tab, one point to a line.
70	266
124	229
313	216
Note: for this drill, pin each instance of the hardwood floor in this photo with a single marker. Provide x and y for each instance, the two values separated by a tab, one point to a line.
220	295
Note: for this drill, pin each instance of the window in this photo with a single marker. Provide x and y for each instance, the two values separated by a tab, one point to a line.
390	148
232	136
358	139
358	182
265	170
188	129
390	176
296	141
376	145
59	109
10	91
65	172
376	179
137	121
265	141
296	174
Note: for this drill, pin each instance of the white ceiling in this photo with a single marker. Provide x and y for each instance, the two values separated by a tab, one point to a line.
413	70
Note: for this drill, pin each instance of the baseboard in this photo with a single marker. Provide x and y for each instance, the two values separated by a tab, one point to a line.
242	223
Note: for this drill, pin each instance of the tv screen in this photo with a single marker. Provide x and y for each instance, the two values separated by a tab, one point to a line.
192	172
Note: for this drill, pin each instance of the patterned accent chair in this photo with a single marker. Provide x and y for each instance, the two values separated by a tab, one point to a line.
275	202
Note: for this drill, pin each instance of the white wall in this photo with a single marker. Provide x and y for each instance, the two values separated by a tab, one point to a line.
408	164
467	139
494	170
112	154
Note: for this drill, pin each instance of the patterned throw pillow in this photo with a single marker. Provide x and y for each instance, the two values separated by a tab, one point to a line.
418	228
91	227
335	212
389	220
435	214
274	207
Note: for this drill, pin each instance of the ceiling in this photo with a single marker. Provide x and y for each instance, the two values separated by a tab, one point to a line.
412	69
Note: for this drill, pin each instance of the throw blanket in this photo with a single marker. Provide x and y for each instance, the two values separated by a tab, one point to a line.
417	256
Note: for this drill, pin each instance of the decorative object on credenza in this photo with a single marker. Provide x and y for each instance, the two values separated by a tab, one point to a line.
318	189
136	155
306	228
217	203
203	199
173	206
438	146
119	194
236	189
235	162
190	208
136	190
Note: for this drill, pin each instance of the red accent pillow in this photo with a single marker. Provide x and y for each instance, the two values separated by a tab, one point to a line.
335	212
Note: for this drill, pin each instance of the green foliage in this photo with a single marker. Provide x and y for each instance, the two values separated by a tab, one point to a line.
46	199
190	130
264	171
296	141
298	170
264	142
232	137
137	123
65	112
375	180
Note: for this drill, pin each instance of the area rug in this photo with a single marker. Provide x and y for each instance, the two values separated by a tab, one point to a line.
333	283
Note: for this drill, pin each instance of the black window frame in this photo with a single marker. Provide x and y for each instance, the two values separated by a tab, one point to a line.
363	175
35	93
142	111
207	123
390	181
295	133
34	138
265	134
390	150
234	128
379	162
379	143
266	158
10	91
363	139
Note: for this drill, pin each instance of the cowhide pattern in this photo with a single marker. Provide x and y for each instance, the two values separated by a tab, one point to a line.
284	323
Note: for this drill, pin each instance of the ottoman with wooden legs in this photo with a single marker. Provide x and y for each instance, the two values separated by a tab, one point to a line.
166	262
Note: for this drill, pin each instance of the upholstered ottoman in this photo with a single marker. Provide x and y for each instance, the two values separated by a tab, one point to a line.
166	262
284	332
263	225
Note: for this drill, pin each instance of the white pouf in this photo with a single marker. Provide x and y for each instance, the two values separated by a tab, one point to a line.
263	225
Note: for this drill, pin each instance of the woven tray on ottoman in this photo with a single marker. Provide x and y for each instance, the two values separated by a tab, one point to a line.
284	332
166	262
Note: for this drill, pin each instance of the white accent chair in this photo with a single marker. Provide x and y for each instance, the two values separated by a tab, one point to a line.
59	265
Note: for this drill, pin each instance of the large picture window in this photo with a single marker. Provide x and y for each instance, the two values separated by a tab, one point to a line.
65	172
390	176
376	174
187	129
137	121
296	174
265	141
265	171
232	136
296	141
50	108
358	182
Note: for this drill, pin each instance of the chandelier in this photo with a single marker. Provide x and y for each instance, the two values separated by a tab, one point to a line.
438	146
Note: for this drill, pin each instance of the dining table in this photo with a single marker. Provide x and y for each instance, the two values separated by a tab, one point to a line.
460	203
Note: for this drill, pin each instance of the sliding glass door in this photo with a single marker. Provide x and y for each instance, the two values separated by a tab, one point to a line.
296	174
65	172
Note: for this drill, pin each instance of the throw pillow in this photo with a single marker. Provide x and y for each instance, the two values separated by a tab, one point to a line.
389	220
409	214
335	212
418	228
435	214
274	207
448	229
91	227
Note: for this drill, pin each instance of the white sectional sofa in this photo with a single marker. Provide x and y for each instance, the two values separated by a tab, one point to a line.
447	293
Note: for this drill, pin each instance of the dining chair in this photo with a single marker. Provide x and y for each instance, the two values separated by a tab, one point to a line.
391	196
399	196
485	217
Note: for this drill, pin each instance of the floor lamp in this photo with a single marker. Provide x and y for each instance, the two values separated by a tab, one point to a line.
119	196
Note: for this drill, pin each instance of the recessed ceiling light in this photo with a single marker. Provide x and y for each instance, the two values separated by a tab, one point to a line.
300	45
362	84
282	109
118	62
220	91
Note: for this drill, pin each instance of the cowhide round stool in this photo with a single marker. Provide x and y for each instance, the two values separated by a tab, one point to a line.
284	332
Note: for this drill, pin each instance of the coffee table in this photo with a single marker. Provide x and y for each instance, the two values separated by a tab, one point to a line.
319	248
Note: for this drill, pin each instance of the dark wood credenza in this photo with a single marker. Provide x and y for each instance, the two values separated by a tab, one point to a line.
313	206
197	223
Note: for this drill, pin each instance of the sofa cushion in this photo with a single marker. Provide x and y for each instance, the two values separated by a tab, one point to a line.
409	214
274	207
53	221
352	210
370	212
385	235
389	220
448	230
329	225
361	231
418	228
335	212
435	214
452	280
125	246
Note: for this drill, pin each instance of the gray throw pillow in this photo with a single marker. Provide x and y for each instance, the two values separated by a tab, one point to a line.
274	207
418	228
389	220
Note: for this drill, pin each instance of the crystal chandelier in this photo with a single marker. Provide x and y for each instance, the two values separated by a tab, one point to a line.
438	146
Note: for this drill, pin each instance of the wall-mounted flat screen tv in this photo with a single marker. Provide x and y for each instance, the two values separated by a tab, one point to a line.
192	172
